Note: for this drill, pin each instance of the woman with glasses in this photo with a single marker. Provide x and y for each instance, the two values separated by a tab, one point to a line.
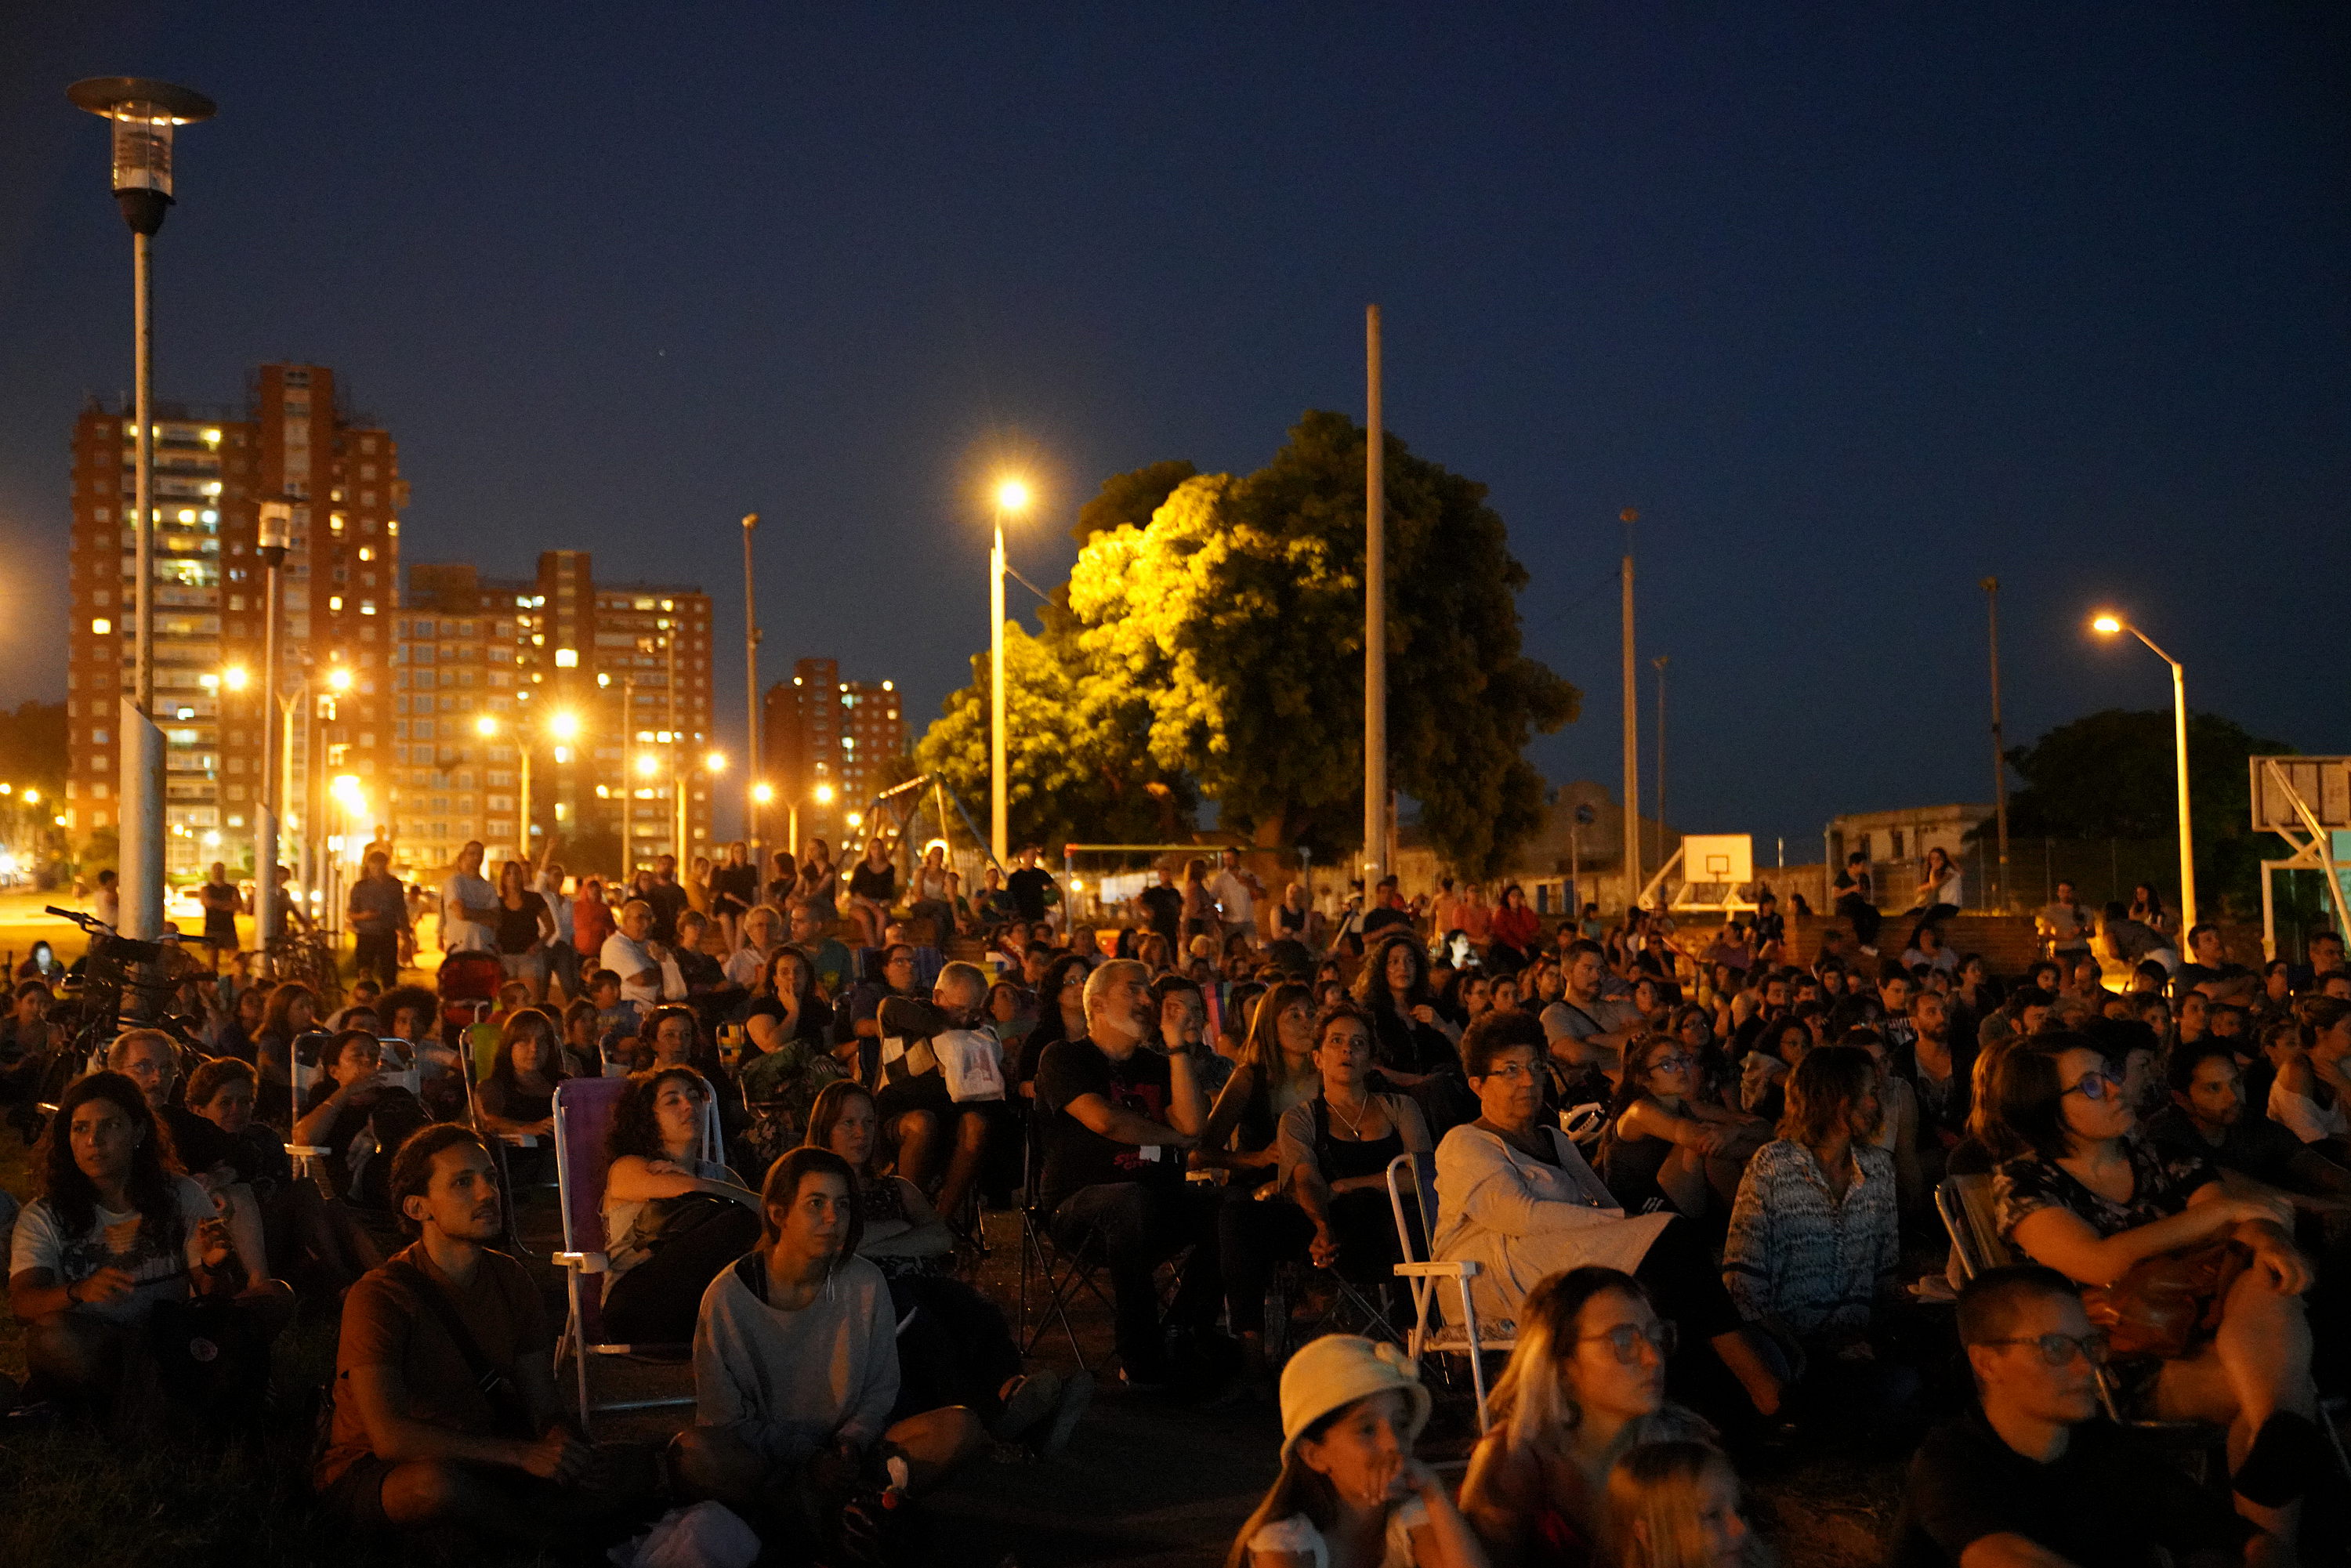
1515	1196
1586	1383
1060	1013
1667	1147
2080	1191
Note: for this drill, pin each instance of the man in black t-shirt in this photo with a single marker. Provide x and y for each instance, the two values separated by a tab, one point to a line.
1032	887
2208	964
1118	1118
2207	1118
2032	1476
667	900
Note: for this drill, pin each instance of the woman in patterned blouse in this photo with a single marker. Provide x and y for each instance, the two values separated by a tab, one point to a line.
2079	1190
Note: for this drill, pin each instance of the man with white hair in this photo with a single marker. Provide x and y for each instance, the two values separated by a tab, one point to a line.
1118	1121
944	1082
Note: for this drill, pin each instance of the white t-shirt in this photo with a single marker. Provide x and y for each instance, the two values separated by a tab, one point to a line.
972	1061
115	1241
1298	1537
743	965
459	935
1233	902
549	886
629	958
106	905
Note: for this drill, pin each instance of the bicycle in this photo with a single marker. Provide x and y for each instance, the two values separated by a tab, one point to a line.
97	1000
307	958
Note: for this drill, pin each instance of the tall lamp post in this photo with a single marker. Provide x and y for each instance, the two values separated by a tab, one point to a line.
1990	585
750	701
144	115
275	532
2111	626
1011	496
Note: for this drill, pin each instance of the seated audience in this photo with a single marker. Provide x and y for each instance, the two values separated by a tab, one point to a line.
445	1404
943	1093
1350	1491
2206	1119
1666	1146
673	1219
796	1370
114	1233
2033	1477
1814	1241
2310	1094
353	1096
1675	1505
1515	1195
954	1347
1585	1384
1118	1119
2081	1192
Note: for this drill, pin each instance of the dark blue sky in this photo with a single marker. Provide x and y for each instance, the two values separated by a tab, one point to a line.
1855	312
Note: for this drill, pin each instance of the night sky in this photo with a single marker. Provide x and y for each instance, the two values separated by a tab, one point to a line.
1854	312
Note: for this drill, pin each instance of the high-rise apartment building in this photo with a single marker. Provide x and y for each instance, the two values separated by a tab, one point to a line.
823	731
607	684
291	441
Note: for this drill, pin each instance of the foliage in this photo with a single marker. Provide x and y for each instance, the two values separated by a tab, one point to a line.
1130	499
33	746
2113	774
1066	781
1228	630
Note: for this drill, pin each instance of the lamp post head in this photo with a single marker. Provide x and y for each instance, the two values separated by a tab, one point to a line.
144	114
486	726
2106	626
763	793
715	762
274	532
1012	496
339	677
234	677
824	794
564	726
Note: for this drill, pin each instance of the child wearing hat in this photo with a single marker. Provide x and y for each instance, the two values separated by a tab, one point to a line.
1351	1495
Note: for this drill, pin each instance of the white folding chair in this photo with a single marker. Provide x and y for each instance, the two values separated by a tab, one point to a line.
1467	1337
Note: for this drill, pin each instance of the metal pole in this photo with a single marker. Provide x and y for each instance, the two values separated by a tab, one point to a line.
1999	751
142	621
754	759
998	797
1632	732
1375	615
2187	837
1660	662
522	740
628	776
273	533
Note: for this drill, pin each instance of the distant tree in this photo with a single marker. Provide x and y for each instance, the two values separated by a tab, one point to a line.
1227	632
33	746
2113	774
1129	499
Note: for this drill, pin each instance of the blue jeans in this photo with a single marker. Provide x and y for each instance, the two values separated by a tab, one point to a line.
1134	1226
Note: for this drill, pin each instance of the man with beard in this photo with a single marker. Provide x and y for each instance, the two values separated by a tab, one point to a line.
445	1391
1941	1075
2206	1119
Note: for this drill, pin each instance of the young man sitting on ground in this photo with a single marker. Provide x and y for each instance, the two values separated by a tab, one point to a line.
2034	1479
445	1390
796	1368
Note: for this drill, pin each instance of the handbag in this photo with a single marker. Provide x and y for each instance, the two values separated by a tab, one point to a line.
2166	1302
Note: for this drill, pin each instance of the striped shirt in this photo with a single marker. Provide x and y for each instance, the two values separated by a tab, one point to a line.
1797	1252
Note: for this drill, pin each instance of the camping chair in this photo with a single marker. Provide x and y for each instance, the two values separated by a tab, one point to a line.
584	1108
1467	1338
303	1075
1060	1275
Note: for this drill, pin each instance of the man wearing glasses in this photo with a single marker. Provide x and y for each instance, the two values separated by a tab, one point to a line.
2033	1477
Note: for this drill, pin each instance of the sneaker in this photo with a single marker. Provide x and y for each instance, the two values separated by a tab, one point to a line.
1077	1392
1032	1399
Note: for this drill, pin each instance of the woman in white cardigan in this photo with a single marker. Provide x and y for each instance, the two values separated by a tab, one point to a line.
1513	1194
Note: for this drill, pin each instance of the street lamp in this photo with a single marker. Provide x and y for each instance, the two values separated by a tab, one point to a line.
823	796
750	694
2109	626
274	535
144	115
1011	496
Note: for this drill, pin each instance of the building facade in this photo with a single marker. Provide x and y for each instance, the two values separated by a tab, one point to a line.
291	440
830	746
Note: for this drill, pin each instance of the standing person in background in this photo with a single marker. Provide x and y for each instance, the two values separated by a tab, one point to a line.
1199	905
2147	908
1034	891
821	881
525	926
591	920
221	905
1236	891
562	956
1477	916
1857	900
107	902
378	916
1516	931
734	889
1163	907
668	898
468	905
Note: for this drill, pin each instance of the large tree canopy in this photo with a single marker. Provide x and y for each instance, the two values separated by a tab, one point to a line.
1213	632
2114	775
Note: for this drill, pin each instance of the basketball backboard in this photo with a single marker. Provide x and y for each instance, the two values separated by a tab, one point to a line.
2322	783
1716	859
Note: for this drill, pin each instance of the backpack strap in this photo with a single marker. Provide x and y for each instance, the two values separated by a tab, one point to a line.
505	1399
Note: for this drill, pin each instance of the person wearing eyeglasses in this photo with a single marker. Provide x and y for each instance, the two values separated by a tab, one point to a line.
1516	1196
2079	1189
1667	1147
2032	1477
1585	1384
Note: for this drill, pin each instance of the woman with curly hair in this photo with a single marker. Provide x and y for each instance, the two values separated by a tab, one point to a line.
1411	1051
117	1231
673	1219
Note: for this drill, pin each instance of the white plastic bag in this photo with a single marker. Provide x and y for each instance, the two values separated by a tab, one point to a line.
707	1535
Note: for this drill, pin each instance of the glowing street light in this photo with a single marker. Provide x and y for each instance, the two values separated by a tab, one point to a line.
235	678
2108	625
339	677
824	794
564	726
715	762
1012	497
764	794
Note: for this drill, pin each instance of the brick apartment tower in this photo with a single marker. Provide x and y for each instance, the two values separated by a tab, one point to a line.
213	466
824	730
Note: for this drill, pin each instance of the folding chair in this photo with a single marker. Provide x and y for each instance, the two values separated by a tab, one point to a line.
1467	1338
584	1108
1060	1275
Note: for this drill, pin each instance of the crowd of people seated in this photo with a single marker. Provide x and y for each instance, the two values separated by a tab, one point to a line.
1683	1187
